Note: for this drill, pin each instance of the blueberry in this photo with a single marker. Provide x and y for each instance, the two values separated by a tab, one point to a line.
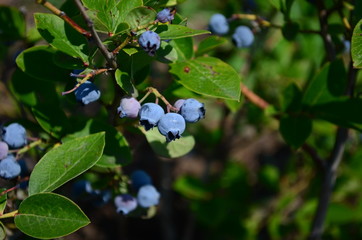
129	107
87	93
171	125
125	203
165	15
140	178
150	114
4	149
192	110
150	42
178	104
9	167
218	24
14	135
148	196
243	37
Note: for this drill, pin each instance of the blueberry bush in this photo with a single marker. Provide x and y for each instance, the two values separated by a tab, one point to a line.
175	119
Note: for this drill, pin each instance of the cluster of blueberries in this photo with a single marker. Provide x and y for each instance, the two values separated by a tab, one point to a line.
12	137
171	124
242	37
146	194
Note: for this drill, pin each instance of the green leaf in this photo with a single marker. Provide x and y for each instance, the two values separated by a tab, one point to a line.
12	24
2	231
38	62
32	91
342	112
65	61
104	13
339	213
208	76
290	30
192	188
356	45
116	151
49	215
52	119
209	44
125	6
328	84
183	48
173	149
3	199
66	162
61	36
295	130
125	82
173	31
292	98
140	17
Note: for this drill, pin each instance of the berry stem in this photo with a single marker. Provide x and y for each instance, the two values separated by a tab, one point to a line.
159	95
87	76
64	16
10	214
122	45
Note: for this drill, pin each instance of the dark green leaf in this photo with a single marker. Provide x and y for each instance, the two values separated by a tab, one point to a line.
290	30
192	188
38	62
66	162
116	151
49	215
32	91
292	98
60	35
125	82
328	84
52	119
209	44
173	31
295	130
65	61
356	46
12	24
208	76
173	149
342	112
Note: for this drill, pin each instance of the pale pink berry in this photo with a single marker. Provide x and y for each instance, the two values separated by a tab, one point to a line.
4	149
129	107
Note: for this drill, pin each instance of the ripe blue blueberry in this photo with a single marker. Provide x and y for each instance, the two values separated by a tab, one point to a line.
150	114
9	167
171	125
218	24
165	16
192	110
148	196
243	37
87	93
140	178
125	203
4	149
150	42
129	107
14	135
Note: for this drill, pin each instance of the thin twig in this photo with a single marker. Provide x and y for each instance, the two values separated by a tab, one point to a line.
64	16
87	76
107	55
255	99
327	39
122	45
